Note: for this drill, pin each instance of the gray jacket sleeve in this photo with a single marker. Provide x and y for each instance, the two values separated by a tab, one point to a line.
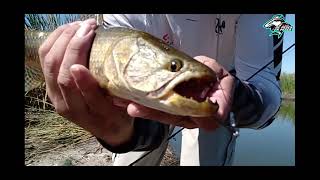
257	100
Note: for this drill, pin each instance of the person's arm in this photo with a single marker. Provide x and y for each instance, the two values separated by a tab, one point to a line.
148	134
257	100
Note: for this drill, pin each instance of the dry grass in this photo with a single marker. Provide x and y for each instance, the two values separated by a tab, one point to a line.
46	131
38	99
170	159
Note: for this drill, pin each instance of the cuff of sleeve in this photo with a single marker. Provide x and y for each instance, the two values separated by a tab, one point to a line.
246	99
148	135
122	148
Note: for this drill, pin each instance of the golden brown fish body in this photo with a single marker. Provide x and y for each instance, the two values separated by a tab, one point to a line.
33	73
137	66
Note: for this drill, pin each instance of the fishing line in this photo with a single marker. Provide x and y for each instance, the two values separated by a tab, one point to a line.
235	132
269	63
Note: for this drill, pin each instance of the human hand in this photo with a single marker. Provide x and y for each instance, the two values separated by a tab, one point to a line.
72	89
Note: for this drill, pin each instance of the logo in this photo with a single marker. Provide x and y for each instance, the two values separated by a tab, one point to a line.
277	25
219	26
167	39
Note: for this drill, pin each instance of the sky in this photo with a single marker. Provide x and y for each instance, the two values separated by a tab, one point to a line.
288	59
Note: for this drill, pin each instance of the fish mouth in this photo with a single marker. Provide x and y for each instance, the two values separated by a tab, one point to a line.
196	89
188	94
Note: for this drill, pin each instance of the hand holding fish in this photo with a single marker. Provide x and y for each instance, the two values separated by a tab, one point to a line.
73	91
221	93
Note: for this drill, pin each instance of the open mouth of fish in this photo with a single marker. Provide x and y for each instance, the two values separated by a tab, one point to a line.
189	93
195	89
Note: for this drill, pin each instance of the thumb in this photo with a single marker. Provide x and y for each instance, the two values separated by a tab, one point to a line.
136	110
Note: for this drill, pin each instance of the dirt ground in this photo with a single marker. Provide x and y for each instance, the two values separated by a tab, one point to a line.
84	154
50	141
89	153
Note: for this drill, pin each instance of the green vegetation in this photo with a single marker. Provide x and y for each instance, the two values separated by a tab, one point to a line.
287	110
287	82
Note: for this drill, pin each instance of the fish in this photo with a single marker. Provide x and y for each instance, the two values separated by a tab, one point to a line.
134	65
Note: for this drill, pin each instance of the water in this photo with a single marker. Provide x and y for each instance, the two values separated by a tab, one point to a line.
271	146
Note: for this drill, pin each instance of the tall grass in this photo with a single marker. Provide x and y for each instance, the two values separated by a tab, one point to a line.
49	22
287	83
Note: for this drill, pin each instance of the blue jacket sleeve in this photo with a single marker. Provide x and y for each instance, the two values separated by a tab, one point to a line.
257	99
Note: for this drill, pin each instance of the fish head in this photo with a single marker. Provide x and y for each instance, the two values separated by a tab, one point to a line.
168	79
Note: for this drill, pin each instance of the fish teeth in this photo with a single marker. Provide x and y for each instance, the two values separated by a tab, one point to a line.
214	101
204	92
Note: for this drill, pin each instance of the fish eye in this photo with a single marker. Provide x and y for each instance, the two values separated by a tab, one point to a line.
175	65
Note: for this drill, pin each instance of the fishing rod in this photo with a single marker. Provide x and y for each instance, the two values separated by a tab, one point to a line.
233	125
